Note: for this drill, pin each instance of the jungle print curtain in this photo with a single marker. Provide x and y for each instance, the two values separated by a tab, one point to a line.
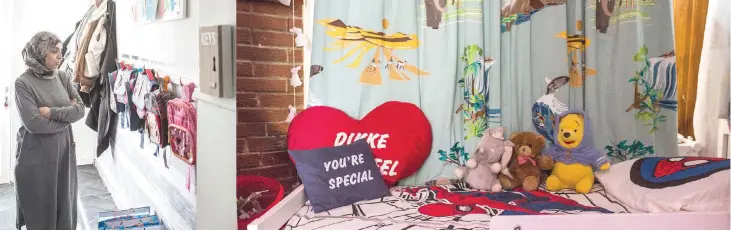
474	64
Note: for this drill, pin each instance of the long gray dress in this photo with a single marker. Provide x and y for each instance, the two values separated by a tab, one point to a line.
45	173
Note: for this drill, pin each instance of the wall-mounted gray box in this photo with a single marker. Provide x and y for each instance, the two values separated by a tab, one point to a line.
217	61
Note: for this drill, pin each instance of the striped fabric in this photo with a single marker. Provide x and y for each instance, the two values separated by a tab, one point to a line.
663	77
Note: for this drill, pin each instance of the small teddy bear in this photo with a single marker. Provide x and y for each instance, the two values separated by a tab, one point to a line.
492	156
527	163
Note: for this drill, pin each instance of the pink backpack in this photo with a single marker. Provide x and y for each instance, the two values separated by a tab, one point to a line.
181	115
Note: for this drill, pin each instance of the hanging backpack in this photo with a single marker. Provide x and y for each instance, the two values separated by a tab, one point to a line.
141	88
156	123
119	88
182	125
134	121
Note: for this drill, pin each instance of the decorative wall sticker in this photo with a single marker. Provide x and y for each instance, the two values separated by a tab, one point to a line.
576	45
291	115
475	85
295	79
655	88
364	41
614	12
300	38
623	151
516	12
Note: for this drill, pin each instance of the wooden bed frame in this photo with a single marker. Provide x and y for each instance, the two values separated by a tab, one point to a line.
278	216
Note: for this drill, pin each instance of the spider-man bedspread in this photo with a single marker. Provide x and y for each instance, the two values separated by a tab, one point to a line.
451	207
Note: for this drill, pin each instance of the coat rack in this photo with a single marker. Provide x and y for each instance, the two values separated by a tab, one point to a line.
161	68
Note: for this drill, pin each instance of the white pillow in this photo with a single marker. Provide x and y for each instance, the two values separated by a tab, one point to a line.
670	184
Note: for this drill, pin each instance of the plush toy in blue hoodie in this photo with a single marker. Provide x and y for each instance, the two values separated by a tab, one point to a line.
574	154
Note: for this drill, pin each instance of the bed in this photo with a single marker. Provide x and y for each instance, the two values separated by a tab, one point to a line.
458	207
657	186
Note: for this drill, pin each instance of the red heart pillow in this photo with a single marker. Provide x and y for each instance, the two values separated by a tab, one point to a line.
399	134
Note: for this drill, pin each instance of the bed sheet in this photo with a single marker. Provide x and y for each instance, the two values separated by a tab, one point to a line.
452	207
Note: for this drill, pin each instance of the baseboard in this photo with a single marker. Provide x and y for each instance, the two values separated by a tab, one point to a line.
84	161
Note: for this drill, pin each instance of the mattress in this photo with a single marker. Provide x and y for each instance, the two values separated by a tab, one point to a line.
453	207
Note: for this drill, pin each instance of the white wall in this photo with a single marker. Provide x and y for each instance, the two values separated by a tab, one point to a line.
134	176
172	46
217	140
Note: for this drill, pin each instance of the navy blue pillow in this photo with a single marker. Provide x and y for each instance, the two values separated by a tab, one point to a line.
339	176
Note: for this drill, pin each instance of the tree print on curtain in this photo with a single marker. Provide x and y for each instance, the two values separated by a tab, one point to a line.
516	12
629	11
475	85
622	151
455	155
654	88
364	41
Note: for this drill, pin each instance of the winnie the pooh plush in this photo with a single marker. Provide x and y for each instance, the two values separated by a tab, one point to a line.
527	163
575	157
492	156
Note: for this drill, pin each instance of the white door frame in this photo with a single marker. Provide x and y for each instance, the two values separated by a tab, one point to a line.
6	67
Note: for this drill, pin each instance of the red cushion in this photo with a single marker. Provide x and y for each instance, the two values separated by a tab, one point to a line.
399	134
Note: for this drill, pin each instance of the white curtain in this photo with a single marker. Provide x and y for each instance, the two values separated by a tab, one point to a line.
712	101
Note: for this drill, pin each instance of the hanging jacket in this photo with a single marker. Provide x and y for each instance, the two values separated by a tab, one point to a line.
101	118
71	45
87	71
81	58
97	44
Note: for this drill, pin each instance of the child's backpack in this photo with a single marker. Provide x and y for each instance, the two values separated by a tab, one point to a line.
134	121
141	88
156	122
182	125
119	86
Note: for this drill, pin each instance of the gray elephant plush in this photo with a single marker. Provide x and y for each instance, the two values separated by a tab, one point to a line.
492	157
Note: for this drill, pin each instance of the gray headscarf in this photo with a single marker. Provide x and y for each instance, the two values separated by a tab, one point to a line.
35	51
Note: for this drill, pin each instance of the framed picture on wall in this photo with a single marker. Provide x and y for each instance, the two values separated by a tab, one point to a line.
138	11
165	10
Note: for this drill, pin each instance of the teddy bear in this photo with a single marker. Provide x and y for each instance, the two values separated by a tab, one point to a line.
574	155
492	156
527	163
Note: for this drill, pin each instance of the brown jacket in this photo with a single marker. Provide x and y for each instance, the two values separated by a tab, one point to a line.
79	77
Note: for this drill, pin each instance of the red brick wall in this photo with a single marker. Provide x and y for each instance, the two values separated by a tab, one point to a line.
264	57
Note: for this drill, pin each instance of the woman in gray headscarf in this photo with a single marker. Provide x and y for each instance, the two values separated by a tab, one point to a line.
45	173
